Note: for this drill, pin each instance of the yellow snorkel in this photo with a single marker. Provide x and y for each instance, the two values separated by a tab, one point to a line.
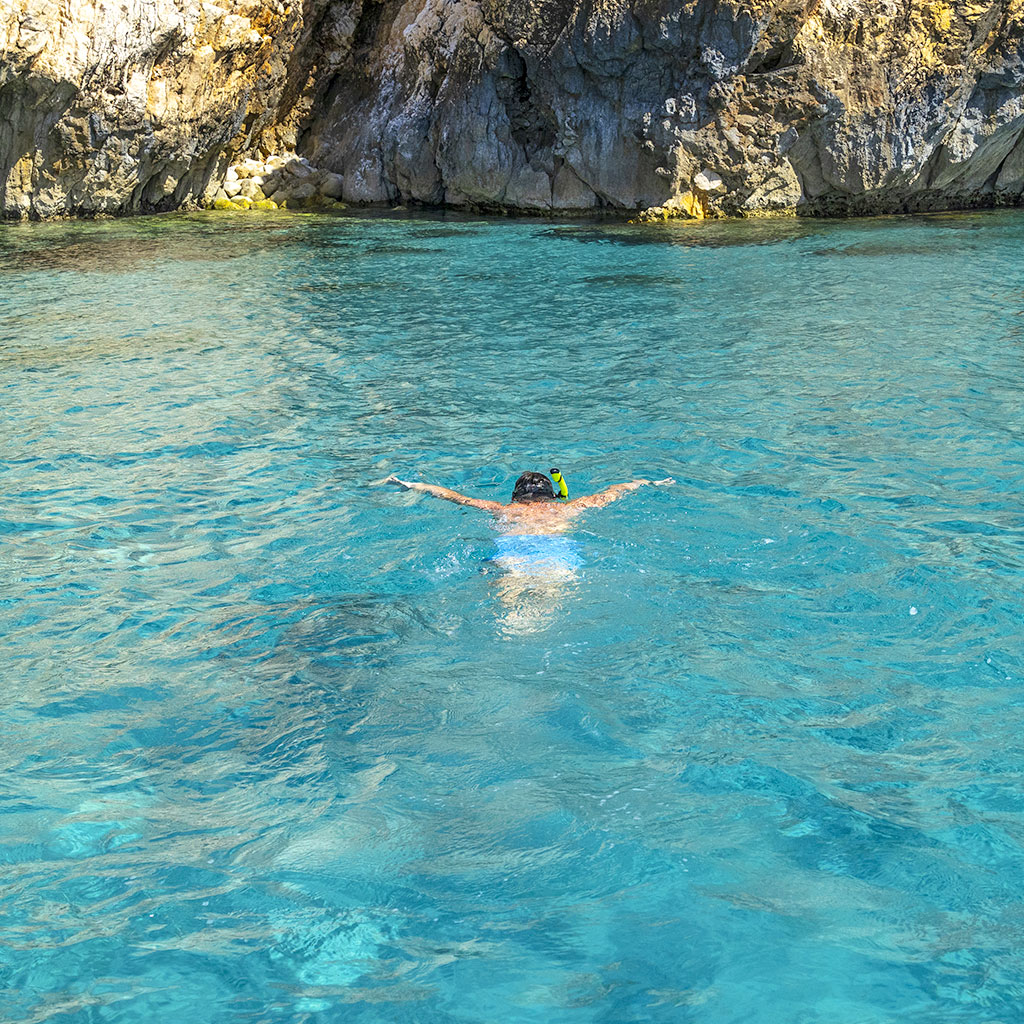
563	490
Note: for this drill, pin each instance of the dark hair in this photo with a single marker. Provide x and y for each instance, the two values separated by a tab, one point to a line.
533	487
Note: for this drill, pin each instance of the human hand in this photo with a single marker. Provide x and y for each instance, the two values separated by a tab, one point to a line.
392	479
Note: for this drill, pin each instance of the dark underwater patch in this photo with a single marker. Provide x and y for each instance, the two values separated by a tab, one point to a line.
884	249
689	234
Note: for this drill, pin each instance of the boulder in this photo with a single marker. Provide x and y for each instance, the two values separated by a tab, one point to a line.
708	181
299	169
299	192
250	168
332	185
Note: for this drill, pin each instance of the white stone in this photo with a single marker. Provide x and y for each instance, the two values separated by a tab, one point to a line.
708	181
232	188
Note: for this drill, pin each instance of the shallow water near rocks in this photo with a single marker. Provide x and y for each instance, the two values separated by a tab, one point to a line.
280	746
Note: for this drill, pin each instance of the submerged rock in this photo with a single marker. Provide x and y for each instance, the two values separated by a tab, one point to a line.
745	106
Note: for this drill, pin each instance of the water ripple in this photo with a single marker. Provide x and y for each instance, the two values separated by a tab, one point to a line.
281	746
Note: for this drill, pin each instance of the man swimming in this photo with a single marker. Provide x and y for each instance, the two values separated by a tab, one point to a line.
538	567
534	508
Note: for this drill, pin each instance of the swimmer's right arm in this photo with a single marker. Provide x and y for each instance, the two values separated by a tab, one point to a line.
445	492
615	492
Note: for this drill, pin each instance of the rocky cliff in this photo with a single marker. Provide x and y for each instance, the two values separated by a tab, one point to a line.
702	106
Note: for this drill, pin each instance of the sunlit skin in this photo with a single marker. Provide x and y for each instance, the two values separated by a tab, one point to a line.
536	516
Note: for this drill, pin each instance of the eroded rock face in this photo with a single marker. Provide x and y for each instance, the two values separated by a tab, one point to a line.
115	106
697	106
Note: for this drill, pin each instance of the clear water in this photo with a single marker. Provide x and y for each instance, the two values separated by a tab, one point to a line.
279	746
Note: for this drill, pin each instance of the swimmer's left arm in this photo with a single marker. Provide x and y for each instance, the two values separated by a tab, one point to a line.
445	492
614	492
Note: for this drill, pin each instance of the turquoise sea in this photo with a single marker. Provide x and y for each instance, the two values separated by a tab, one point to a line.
281	746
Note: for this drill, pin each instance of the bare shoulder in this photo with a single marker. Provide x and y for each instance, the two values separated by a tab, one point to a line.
585	502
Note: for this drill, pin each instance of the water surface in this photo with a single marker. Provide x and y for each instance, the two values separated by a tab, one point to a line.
279	746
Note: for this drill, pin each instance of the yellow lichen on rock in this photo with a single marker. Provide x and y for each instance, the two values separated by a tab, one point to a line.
693	204
941	15
689	205
241	203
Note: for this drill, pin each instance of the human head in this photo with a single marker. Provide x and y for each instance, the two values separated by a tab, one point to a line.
533	487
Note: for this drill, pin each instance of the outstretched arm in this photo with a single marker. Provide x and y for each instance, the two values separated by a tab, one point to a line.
615	492
446	493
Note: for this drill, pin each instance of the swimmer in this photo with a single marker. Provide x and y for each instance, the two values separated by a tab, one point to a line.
534	508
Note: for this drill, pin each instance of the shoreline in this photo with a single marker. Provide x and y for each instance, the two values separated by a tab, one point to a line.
845	209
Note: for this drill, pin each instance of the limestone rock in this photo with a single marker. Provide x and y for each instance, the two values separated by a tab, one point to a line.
708	181
136	105
249	168
864	106
748	106
299	169
297	192
332	185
